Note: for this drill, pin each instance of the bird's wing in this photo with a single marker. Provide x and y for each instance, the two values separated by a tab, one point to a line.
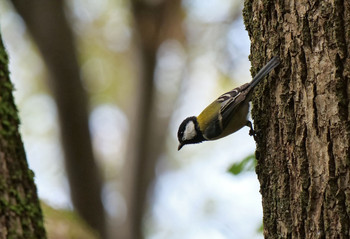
230	102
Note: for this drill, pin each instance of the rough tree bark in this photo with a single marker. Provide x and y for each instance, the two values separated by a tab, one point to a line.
48	26
20	212
302	115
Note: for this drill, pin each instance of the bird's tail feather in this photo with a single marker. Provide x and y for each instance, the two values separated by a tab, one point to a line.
275	61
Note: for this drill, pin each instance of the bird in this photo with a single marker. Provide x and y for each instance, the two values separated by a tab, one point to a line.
226	115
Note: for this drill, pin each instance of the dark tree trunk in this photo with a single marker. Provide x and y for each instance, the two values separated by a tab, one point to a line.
302	116
20	212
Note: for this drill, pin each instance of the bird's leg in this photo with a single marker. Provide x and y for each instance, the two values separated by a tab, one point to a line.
251	131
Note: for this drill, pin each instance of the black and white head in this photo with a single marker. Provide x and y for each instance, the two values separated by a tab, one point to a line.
189	132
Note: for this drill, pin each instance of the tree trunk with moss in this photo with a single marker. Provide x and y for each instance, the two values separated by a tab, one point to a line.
20	212
302	116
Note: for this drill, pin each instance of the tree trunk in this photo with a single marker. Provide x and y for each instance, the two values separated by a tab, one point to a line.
302	116
50	30
20	212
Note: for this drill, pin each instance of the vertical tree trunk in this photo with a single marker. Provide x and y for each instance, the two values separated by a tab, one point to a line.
302	115
20	212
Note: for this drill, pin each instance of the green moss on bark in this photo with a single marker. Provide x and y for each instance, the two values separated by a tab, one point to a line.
19	204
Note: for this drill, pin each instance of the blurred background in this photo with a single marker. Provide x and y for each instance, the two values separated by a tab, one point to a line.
102	87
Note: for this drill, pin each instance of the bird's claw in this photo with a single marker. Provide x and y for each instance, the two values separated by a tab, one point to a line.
252	132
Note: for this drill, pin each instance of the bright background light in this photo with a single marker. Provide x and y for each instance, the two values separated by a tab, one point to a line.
194	195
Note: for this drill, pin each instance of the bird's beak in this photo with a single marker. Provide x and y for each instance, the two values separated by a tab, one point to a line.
180	146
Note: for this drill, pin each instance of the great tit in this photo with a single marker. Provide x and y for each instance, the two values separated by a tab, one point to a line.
225	115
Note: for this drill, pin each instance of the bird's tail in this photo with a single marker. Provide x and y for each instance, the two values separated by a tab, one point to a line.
275	61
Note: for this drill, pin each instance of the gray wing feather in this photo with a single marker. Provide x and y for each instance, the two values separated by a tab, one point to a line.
232	99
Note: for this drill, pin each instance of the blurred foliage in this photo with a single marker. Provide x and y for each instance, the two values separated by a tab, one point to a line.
247	164
261	228
64	224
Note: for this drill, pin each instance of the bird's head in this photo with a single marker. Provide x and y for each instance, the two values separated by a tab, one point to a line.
189	132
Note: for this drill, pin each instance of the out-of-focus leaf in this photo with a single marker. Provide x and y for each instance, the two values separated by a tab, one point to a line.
247	164
261	228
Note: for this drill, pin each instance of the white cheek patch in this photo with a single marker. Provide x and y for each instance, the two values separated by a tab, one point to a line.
190	131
